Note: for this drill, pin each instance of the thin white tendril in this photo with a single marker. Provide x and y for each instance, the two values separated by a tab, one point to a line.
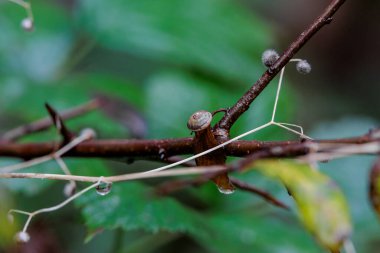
53	208
277	94
72	185
292	125
82	137
344	151
281	124
27	6
349	247
199	170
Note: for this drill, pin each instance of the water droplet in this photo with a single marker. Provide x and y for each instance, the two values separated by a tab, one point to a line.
27	24
103	188
22	237
162	153
70	189
226	191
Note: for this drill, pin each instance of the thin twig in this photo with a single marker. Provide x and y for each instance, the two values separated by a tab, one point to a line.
45	123
60	124
265	195
122	148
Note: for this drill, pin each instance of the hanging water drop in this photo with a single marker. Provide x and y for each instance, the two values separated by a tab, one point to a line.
162	153
22	237
27	24
226	191
103	188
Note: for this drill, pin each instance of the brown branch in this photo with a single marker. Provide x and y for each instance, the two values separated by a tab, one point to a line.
59	124
171	147
244	102
45	123
374	192
265	195
102	148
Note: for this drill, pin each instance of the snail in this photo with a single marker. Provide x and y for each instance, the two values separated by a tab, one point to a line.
199	121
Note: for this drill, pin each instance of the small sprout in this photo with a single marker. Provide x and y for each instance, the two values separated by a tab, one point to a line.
27	24
269	57
22	237
303	67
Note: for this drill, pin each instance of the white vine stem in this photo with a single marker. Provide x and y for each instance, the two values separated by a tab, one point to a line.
27	6
53	208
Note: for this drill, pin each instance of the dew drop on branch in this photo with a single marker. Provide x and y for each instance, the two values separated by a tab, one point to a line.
103	188
162	153
226	191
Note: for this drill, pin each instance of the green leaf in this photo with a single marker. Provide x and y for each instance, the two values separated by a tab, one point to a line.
170	92
322	206
216	36
351	174
7	228
30	98
132	206
34	55
374	193
29	187
248	232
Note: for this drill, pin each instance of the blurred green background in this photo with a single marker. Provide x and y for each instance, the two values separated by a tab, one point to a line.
167	59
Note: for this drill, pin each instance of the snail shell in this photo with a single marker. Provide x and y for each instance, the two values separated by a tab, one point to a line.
200	120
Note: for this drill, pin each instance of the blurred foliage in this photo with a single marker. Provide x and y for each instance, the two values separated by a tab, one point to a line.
322	206
167	59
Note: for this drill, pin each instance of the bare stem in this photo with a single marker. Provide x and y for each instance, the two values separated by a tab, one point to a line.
45	123
233	113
